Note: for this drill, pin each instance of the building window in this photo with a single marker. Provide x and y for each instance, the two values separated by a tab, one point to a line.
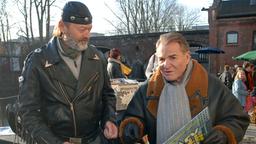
254	41
232	38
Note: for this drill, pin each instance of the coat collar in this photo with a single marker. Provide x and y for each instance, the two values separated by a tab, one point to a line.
53	57
56	65
90	68
90	59
197	90
51	52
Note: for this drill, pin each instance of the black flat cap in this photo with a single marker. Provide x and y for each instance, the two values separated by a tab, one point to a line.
76	12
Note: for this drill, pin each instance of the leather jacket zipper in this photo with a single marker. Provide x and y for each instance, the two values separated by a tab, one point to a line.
74	118
71	103
86	88
44	140
71	108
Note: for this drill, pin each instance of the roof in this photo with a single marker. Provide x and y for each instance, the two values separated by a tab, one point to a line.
236	8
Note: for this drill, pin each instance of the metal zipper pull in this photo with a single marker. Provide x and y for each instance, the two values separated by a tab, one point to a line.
71	107
74	118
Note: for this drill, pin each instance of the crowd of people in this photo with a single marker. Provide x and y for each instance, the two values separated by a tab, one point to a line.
242	81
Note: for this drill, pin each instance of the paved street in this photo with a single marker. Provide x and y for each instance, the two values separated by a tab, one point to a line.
10	139
250	136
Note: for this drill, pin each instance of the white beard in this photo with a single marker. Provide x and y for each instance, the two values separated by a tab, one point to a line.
76	45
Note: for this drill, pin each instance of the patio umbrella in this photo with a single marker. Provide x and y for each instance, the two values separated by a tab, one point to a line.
248	56
209	50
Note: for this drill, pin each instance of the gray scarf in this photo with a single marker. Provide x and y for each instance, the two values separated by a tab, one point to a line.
68	52
173	108
74	63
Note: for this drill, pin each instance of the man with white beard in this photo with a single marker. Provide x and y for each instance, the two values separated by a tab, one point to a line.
65	94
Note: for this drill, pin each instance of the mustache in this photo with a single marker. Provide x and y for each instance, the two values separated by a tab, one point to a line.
84	39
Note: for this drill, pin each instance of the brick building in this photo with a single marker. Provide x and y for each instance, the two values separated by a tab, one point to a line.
232	28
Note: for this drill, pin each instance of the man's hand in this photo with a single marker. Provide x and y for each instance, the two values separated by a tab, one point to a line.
215	137
110	130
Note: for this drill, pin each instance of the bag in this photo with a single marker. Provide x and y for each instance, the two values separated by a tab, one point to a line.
248	103
14	121
13	118
125	69
252	115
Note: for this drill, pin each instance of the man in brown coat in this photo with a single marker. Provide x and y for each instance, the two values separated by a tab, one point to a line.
176	93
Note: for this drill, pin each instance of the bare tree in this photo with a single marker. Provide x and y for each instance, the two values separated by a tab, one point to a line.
2	15
30	21
40	6
2	29
144	16
23	9
5	27
47	22
48	17
43	9
185	18
4	22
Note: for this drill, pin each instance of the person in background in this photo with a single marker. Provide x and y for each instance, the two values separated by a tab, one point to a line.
114	64
65	95
254	82
152	65
176	92
247	67
239	88
236	68
226	77
138	72
233	71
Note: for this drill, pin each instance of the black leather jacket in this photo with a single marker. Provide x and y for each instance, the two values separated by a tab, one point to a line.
54	105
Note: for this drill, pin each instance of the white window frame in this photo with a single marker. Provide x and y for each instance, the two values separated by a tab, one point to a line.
232	37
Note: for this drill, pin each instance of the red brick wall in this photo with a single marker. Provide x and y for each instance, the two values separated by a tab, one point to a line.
217	38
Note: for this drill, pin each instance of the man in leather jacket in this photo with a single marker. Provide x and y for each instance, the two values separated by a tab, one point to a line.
65	93
176	92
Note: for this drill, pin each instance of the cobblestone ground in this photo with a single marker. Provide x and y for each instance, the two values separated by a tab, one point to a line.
250	136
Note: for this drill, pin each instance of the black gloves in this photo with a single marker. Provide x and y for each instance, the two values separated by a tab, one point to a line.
216	137
131	133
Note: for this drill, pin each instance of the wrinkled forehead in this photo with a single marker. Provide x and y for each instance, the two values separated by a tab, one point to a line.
165	50
161	49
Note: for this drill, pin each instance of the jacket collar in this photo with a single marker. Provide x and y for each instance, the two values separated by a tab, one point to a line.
52	57
51	52
54	63
197	90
